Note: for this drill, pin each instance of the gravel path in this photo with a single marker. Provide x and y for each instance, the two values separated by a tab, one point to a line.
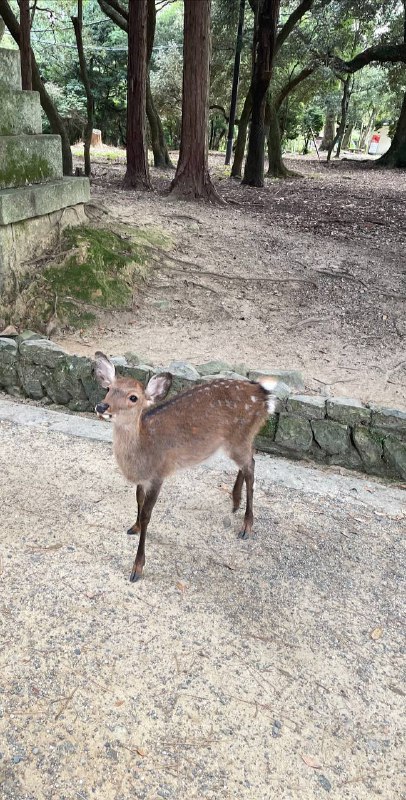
234	670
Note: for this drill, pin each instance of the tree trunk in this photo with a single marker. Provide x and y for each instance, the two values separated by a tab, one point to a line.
25	45
368	130
347	136
345	100
55	121
396	155
329	131
236	75
192	179
267	24
77	25
137	174
276	167
236	170
158	143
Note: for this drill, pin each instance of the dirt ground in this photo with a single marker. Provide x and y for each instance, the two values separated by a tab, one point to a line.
245	670
308	273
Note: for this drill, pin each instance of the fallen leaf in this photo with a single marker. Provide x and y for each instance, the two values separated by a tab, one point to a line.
376	633
310	761
141	752
119	703
181	586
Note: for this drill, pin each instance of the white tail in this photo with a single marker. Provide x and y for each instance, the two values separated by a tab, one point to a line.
152	441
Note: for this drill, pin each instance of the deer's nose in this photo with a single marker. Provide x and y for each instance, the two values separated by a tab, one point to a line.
101	408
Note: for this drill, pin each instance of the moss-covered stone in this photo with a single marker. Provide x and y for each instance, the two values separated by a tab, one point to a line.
348	411
29	159
331	436
269	429
294	433
395	455
308	406
369	444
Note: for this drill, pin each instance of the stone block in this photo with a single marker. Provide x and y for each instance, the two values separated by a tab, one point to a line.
29	159
395	455
348	411
331	436
8	375
23	203
10	72
182	369
213	368
32	379
26	336
290	377
294	433
309	406
369	444
388	418
20	113
269	429
8	350
42	352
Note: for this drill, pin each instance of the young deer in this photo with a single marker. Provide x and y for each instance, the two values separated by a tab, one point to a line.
152	441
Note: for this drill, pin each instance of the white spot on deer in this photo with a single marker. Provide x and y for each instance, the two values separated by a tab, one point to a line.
253	398
246	407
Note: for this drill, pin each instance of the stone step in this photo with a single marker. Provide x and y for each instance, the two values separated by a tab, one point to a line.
29	159
10	72
20	112
43	198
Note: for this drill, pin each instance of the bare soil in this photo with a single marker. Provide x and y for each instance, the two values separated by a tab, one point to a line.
308	273
249	670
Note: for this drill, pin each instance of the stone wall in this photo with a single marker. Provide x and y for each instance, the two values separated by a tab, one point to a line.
322	429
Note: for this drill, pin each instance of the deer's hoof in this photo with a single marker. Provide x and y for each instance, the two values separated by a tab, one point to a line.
133	531
135	577
245	535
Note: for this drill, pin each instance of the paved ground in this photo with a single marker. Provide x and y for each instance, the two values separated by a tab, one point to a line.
259	670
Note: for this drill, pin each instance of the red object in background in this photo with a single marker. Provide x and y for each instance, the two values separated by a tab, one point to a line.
376	137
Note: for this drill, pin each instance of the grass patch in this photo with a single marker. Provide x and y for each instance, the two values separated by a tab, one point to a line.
95	268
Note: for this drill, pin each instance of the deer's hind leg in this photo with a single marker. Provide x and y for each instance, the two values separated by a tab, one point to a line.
140	502
245	474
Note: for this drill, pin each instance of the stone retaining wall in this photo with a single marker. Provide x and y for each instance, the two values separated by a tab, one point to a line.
322	429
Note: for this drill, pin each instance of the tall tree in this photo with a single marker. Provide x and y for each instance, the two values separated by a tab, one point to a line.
55	120
118	14
268	16
78	27
137	174
236	75
192	179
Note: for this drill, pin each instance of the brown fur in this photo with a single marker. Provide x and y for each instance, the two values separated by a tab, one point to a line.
150	443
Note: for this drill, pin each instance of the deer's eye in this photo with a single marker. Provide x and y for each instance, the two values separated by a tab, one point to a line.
133	398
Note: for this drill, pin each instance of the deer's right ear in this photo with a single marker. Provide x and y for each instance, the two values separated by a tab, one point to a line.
158	387
104	371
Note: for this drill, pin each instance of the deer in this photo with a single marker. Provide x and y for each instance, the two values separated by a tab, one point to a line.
153	439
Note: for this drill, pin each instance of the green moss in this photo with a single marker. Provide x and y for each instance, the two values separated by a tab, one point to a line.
17	171
270	427
94	268
99	268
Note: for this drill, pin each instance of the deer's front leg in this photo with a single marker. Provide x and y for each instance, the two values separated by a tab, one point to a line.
140	500
150	498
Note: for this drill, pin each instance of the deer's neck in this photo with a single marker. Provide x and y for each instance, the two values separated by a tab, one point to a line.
127	446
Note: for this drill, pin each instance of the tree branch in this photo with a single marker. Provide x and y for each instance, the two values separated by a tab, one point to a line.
383	53
291	22
292	83
119	19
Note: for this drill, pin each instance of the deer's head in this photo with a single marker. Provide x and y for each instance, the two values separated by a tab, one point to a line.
127	395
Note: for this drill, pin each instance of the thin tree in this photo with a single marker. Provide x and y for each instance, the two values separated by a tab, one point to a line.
137	174
78	26
192	179
236	75
268	17
25	45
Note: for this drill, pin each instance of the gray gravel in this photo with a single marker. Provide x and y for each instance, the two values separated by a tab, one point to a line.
267	669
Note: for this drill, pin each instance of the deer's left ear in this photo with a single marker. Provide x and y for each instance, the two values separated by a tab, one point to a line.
104	371
158	387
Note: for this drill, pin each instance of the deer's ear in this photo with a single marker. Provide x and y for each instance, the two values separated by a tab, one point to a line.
104	370
158	387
